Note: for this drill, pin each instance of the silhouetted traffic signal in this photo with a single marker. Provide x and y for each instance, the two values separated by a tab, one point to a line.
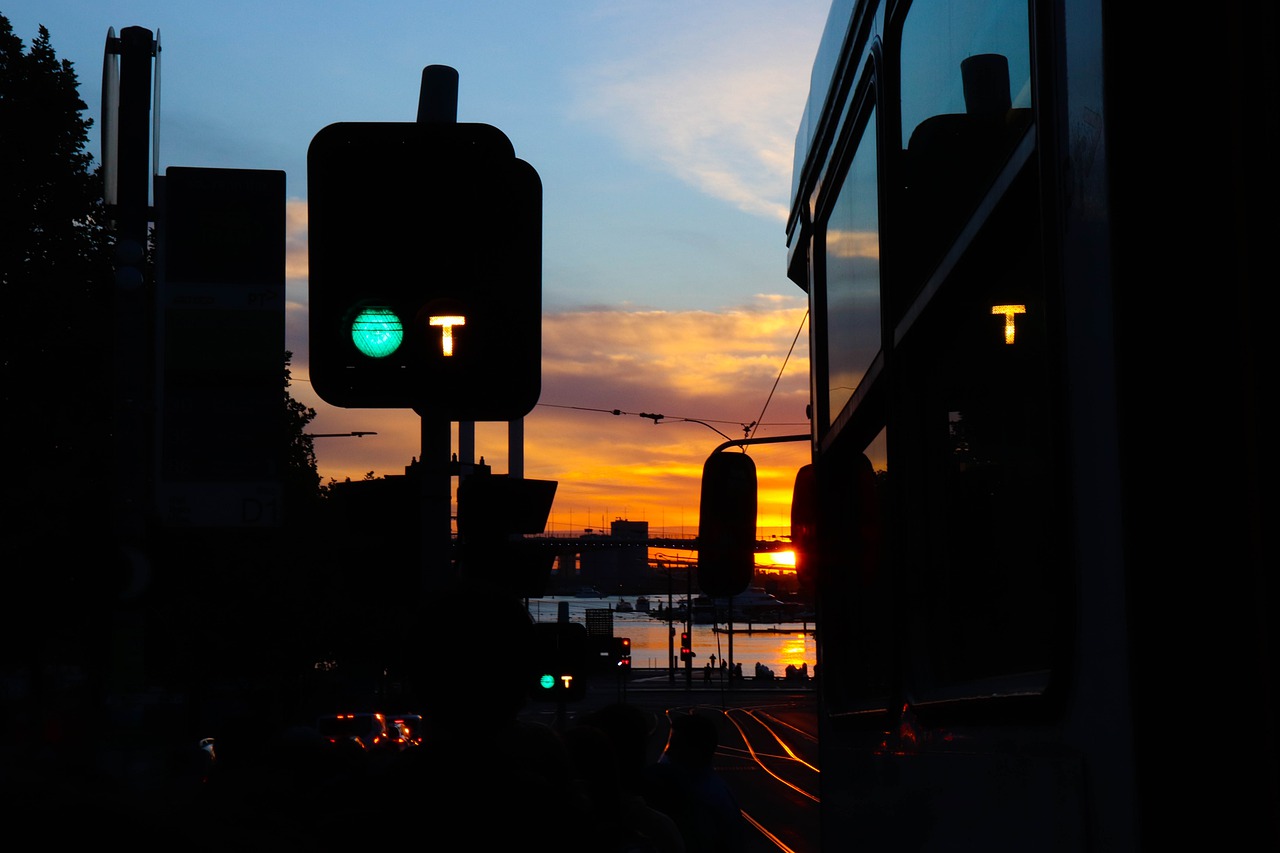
494	513
686	648
727	524
804	526
624	652
425	270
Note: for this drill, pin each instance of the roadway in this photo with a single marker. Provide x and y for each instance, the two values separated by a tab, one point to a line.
767	751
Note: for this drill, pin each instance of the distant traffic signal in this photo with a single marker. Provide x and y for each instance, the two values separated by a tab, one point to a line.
425	270
560	661
686	648
624	652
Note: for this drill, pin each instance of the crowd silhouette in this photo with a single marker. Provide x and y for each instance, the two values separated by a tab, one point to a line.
486	774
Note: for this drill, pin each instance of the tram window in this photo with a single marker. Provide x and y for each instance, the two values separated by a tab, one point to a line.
966	102
980	518
852	282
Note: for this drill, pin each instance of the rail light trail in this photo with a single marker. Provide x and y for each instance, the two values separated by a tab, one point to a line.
760	761
766	833
767	727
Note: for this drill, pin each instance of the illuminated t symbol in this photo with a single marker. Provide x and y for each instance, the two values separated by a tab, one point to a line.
448	322
1008	311
567	679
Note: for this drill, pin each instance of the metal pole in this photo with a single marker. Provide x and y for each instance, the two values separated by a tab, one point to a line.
671	633
688	625
435	494
437	102
438	95
729	676
515	448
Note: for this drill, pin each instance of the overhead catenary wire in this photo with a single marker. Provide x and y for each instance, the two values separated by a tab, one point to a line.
748	430
781	370
658	417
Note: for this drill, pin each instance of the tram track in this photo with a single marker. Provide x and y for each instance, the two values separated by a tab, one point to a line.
770	762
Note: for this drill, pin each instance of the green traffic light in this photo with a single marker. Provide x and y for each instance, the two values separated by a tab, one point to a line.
377	332
546	682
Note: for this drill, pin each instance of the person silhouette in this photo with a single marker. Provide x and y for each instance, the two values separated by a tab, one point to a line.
608	751
684	784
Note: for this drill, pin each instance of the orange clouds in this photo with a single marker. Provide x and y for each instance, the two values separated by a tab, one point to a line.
718	368
295	239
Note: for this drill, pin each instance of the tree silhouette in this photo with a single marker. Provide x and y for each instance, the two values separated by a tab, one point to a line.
56	349
301	478
55	277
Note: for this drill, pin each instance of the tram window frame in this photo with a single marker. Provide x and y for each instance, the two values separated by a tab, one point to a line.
851	279
970	638
926	292
861	123
856	601
953	146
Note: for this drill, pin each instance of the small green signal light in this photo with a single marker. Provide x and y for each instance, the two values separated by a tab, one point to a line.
546	682
377	332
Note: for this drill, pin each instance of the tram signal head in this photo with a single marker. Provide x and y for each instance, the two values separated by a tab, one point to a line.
561	651
425	289
727	524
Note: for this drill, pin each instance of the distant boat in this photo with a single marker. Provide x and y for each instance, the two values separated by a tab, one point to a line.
588	592
642	604
624	606
752	605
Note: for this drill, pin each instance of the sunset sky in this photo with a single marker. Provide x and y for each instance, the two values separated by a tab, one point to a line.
663	133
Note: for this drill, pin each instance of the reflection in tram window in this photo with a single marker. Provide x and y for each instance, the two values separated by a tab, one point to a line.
959	128
853	277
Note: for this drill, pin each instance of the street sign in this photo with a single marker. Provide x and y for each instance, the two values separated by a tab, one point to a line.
220	346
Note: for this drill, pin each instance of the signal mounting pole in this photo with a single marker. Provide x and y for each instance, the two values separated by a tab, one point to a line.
415	306
437	104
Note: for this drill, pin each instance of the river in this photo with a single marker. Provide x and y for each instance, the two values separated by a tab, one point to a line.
650	638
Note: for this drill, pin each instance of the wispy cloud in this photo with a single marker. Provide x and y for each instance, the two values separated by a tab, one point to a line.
716	366
719	110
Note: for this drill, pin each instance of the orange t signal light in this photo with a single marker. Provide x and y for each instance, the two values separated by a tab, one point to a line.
1009	311
447	322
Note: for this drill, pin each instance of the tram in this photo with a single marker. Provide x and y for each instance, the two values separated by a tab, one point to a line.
1031	235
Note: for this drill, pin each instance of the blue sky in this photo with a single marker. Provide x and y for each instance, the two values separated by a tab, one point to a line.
663	134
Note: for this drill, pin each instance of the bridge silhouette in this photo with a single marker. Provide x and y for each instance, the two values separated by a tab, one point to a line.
593	543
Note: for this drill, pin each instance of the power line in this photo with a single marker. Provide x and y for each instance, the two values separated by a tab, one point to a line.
749	430
780	372
657	417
